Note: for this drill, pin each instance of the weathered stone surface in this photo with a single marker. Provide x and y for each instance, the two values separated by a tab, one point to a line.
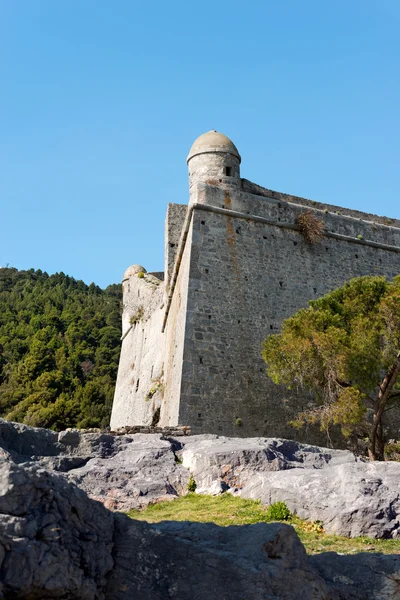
349	496
183	561
351	499
138	389
360	577
232	462
28	441
141	470
69	437
54	541
122	471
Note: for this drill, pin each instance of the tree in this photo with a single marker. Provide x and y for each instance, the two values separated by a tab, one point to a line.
345	348
59	349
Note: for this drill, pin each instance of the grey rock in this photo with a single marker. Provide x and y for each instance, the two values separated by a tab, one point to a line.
352	499
54	541
143	470
235	461
186	561
361	577
57	543
89	445
123	472
70	437
28	441
62	464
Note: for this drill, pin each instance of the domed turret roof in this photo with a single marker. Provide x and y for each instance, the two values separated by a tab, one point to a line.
213	141
133	270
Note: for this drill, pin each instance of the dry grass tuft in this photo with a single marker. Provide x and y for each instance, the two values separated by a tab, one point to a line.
310	226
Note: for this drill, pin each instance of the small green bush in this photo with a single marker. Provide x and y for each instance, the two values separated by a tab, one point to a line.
238	422
140	274
392	450
360	236
278	511
191	485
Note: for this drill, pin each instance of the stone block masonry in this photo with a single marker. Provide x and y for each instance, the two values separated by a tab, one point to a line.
236	267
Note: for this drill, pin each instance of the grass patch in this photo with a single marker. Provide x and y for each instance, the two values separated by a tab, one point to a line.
231	510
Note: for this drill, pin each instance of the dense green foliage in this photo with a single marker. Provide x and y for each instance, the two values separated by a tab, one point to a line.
345	348
59	349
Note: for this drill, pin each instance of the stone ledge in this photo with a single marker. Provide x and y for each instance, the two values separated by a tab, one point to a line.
177	430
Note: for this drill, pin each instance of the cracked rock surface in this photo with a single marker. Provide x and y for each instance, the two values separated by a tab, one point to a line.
350	499
58	543
350	496
186	561
233	462
54	541
123	472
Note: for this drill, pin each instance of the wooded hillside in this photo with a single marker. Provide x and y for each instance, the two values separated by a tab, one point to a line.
59	349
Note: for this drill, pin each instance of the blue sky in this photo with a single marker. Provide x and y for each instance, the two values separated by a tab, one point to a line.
100	102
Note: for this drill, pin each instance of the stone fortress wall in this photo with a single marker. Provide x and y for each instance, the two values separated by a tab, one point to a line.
141	360
236	265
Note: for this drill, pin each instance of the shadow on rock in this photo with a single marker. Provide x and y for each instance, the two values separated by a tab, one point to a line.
57	543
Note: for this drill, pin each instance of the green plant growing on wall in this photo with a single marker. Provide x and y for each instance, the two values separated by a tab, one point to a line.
360	236
346	349
310	227
140	274
137	316
157	386
238	422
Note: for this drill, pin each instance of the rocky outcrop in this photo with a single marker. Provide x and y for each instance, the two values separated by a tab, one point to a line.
142	469
221	463
57	543
350	499
360	577
183	561
54	541
350	496
23	441
122	471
